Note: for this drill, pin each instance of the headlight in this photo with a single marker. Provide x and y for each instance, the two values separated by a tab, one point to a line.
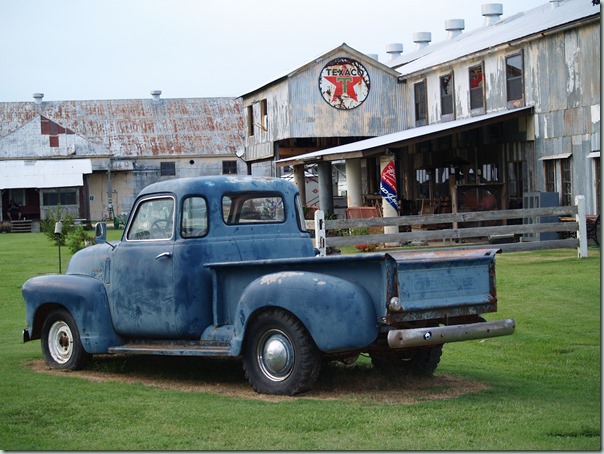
395	304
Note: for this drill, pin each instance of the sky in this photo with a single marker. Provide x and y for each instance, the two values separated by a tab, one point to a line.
124	49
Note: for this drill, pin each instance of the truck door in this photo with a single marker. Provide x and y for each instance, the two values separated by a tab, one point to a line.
141	291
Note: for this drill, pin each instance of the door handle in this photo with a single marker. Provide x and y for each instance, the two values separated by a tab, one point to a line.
163	254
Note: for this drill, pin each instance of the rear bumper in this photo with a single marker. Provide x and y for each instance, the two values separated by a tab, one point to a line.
424	337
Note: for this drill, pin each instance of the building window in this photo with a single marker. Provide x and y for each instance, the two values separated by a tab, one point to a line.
558	178
567	188
60	197
229	167
446	97
421	104
264	115
167	169
514	80
476	89
250	120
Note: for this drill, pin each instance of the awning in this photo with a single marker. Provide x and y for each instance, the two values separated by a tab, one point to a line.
594	154
47	173
380	144
555	156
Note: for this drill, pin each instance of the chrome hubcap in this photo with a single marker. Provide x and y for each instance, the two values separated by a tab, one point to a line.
275	355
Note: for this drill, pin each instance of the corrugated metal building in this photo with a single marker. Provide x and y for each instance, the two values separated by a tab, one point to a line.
93	157
511	107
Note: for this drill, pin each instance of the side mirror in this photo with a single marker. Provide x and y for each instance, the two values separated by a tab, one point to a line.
100	232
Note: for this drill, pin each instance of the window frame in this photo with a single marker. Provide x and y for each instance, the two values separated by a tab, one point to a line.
420	105
188	232
137	210
447	116
232	163
516	80
167	168
232	216
250	120
476	110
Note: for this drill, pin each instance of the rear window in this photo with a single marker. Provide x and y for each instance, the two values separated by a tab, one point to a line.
252	208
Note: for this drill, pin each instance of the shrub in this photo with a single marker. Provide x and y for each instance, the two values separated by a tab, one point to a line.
47	226
78	239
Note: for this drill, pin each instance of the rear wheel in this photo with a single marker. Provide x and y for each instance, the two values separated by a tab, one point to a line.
420	362
279	355
61	344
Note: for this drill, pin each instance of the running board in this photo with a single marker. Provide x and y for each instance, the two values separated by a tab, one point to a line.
175	348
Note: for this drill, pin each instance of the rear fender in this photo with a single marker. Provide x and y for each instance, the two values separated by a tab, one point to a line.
338	314
85	299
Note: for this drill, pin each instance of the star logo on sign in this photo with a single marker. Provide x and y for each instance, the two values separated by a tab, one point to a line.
344	86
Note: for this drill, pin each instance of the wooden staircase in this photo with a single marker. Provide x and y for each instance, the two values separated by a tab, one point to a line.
23	226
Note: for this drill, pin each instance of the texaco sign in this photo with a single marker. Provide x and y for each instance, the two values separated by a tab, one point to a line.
344	83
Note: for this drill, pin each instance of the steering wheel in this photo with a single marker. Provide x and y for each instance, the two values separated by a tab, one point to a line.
161	228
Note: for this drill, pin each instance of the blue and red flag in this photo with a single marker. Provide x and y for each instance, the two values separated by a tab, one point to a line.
388	184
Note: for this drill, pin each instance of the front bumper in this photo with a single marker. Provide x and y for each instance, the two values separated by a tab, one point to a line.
425	337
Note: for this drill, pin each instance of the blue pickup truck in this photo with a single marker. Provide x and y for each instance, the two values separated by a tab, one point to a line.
224	267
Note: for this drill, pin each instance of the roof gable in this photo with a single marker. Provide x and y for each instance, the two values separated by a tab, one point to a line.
365	59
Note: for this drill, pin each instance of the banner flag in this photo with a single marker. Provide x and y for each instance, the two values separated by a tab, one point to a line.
388	184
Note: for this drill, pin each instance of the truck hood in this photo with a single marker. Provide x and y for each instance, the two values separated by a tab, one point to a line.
92	261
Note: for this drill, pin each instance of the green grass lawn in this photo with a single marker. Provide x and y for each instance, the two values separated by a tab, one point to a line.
540	387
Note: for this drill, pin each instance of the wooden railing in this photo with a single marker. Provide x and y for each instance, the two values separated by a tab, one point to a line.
456	228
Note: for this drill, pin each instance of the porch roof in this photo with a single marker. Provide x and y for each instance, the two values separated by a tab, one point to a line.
55	173
380	144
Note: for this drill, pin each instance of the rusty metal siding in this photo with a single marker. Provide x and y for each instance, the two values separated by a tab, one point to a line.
311	116
260	145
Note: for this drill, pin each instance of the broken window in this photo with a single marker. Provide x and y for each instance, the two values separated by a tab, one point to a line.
476	88
446	97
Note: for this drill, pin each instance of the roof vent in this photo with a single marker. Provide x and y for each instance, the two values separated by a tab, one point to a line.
156	94
394	49
455	27
38	97
554	3
422	39
492	12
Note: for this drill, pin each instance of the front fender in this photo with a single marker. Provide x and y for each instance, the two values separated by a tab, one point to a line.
338	314
83	296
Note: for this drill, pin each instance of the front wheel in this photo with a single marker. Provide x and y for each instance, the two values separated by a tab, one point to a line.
61	344
279	355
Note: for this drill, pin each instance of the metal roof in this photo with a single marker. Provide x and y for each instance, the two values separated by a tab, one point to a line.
519	26
141	127
374	145
47	173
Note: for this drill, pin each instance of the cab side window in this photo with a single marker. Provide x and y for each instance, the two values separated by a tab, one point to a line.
194	221
153	220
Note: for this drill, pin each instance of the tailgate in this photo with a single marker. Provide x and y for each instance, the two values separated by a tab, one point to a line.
452	282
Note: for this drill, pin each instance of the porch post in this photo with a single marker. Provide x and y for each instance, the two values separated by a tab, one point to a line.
325	188
300	181
354	193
